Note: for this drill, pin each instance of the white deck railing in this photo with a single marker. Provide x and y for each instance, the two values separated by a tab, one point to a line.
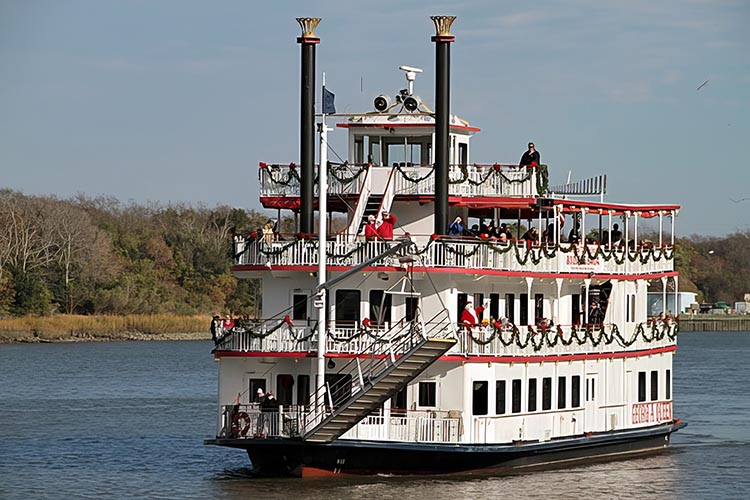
465	180
468	253
477	341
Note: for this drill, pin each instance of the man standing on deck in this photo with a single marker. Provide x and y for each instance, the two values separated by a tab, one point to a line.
371	230
530	157
385	231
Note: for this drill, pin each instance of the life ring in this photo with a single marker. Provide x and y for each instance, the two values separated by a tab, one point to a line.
240	424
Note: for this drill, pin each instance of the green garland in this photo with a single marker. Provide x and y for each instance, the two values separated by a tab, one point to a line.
334	167
291	174
551	337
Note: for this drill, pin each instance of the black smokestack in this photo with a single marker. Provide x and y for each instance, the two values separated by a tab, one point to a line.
307	41
443	40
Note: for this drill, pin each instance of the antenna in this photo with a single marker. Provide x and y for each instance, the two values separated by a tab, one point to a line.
411	75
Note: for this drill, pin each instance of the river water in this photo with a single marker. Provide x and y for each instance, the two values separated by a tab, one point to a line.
127	420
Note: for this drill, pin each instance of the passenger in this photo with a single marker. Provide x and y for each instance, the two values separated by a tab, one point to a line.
259	396
531	236
216	329
456	227
502	239
385	231
371	230
228	324
616	233
530	157
474	230
268	236
470	315
505	229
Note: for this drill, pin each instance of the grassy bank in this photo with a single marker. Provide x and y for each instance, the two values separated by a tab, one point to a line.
71	328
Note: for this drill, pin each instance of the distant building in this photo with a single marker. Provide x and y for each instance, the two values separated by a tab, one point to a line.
684	301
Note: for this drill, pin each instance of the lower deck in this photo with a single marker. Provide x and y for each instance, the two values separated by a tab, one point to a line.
461	401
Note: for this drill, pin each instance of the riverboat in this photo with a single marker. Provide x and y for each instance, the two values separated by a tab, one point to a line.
425	348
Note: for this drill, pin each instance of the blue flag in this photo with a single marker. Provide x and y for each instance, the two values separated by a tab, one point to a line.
329	108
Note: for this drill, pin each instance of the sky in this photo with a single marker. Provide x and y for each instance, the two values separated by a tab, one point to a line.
178	100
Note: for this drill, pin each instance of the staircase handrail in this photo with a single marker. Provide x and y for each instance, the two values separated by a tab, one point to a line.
388	194
325	399
352	230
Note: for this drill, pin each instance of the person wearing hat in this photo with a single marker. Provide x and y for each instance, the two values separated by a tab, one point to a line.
259	396
371	230
385	231
531	157
470	315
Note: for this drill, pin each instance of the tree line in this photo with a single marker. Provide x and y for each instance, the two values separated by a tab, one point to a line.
97	255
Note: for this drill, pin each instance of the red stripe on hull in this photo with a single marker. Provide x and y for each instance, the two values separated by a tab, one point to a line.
459	358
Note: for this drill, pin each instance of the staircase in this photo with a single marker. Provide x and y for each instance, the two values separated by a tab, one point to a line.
373	206
386	377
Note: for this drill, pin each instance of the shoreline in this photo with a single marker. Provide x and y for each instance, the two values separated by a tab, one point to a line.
9	337
102	328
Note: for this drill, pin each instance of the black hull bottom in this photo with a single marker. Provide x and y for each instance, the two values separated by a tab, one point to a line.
286	457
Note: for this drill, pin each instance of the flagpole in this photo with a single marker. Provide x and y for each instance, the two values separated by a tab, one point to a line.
322	241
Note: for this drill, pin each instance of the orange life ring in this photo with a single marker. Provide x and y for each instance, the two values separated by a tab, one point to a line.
238	428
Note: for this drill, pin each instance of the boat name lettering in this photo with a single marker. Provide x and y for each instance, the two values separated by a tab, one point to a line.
652	412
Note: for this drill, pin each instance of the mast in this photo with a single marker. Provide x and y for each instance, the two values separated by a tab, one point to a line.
320	299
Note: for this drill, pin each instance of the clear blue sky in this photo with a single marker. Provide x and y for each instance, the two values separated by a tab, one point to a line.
178	100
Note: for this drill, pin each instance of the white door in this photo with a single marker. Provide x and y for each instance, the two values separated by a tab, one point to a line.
590	406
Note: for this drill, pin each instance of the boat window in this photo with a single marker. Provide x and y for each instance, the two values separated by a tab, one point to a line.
406	151
398	402
575	391
428	394
374	155
516	408
359	149
546	393
479	397
494	305
561	396
347	308
303	390
668	385
575	309
284	389
524	309
531	403
641	386
463	153
412	304
654	385
500	397
510	307
380	308
299	309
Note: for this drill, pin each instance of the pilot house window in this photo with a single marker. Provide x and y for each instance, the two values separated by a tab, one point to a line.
347	308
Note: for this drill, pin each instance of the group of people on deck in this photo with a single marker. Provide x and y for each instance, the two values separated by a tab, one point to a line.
382	232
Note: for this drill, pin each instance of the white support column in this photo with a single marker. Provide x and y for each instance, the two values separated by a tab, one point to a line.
674	216
661	227
583	226
587	283
664	295
609	229
635	229
677	308
556	319
529	303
